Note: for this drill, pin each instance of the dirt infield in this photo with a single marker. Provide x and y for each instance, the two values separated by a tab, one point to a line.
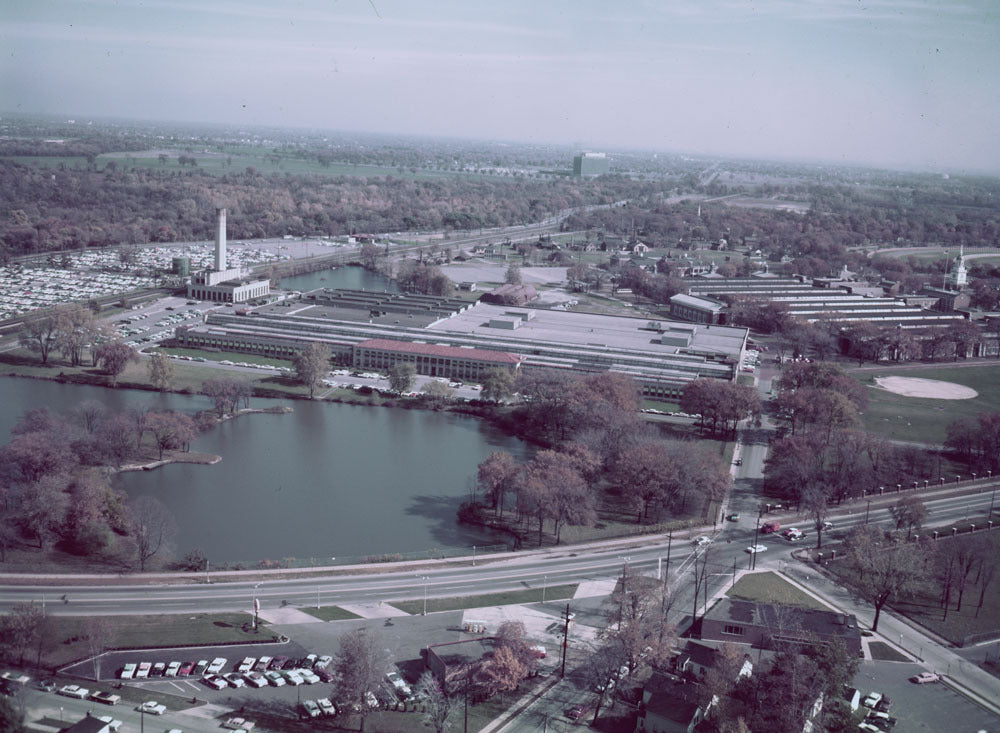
929	388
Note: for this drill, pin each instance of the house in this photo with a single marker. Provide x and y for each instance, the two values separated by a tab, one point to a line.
89	724
695	659
670	705
761	625
449	661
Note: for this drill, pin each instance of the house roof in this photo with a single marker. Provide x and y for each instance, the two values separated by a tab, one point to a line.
450	352
89	724
787	620
670	699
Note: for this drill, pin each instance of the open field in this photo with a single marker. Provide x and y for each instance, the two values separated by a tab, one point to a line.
925	420
330	613
769	587
66	642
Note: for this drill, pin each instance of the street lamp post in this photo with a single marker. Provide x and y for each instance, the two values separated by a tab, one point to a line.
545	580
425	579
255	606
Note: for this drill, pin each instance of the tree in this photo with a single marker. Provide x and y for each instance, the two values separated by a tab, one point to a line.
74	330
497	476
369	256
224	392
501	673
909	512
11	715
19	630
601	668
114	357
401	377
883	568
116	439
438	391
171	430
513	274
437	705
161	370
98	633
498	384
551	487
312	365
150	527
39	336
360	664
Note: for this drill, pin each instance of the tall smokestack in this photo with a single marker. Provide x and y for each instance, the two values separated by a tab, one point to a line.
220	241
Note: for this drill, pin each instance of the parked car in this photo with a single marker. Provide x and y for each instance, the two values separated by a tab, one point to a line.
278	662
238	724
255	679
235	679
872	700
46	685
323	662
262	664
151	707
112	724
326	706
128	671
246	665
201	667
76	691
215	682
734	517
292	677
309	709
924	677
185	669
107	698
158	669
143	670
217	665
274	678
325	675
399	684
171	670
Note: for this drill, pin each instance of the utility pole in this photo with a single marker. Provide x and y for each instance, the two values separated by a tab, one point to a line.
562	672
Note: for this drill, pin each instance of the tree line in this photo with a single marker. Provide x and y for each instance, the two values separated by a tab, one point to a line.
597	450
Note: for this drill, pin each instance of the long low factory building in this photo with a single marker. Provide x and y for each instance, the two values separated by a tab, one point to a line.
662	356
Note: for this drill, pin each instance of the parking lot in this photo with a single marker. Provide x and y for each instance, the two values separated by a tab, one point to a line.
929	707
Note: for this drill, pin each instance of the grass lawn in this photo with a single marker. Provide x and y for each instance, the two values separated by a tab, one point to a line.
66	635
881	650
926	420
925	607
223	356
769	587
330	613
552	593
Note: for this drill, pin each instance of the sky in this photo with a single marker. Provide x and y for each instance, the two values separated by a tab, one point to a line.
911	84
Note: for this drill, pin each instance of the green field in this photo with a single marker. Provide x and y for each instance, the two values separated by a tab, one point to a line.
926	420
769	587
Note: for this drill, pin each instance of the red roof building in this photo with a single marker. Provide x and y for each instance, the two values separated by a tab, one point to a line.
432	360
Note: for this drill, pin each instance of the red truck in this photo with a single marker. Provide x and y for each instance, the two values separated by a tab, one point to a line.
769	527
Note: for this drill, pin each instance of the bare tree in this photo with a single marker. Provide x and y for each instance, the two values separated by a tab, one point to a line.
885	569
39	335
437	705
161	370
909	512
151	527
98	632
361	663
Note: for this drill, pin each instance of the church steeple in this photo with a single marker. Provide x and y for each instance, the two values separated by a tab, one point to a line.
958	278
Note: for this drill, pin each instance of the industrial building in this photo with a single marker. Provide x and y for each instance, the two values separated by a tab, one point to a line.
222	284
454	338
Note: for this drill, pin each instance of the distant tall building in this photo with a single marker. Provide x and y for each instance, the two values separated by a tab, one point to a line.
958	278
590	164
226	284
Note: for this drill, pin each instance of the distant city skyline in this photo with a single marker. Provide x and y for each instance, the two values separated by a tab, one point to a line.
907	84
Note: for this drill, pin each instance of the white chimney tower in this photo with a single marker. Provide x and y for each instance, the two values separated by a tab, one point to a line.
220	241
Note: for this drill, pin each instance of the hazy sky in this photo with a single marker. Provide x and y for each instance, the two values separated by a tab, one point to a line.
912	83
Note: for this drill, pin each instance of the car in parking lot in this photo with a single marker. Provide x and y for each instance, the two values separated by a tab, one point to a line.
185	669
246	665
215	681
326	706
200	667
238	724
171	670
292	677
262	664
309	709
323	662
142	671
76	691
873	699
399	684
151	707
278	662
217	665
158	669
235	679
255	679
46	685
274	678
925	677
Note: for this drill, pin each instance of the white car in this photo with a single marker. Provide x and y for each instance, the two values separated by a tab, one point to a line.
151	707
255	679
275	678
326	706
925	677
235	679
754	549
216	666
215	681
399	684
323	662
74	691
171	670
703	540
310	709
246	665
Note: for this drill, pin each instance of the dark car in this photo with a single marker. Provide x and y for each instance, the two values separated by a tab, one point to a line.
324	675
278	662
186	669
577	712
